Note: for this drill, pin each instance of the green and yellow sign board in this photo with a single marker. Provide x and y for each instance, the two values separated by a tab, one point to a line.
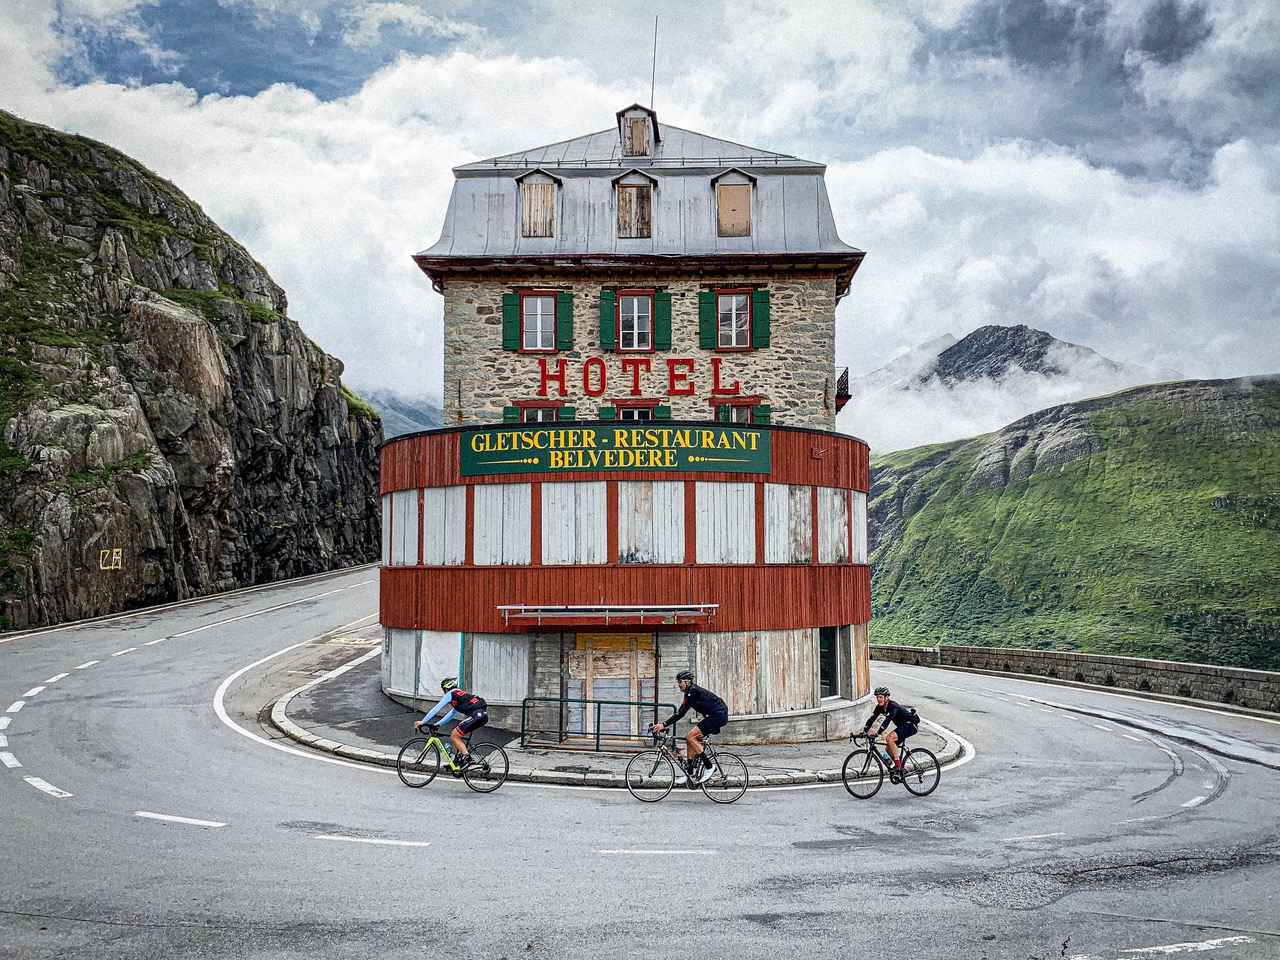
559	447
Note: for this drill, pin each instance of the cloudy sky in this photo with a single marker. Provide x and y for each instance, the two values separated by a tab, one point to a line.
1105	170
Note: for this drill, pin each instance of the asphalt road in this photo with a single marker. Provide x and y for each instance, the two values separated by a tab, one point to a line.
189	833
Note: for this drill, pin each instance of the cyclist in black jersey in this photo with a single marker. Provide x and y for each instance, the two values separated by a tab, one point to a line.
715	715
896	714
473	708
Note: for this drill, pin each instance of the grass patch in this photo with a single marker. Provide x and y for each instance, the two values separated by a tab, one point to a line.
357	407
92	479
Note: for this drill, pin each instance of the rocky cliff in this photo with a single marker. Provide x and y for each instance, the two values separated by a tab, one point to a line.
169	431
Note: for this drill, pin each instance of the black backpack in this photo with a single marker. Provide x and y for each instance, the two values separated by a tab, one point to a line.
911	714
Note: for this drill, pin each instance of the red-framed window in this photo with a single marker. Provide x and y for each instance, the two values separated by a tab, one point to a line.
537	411
742	410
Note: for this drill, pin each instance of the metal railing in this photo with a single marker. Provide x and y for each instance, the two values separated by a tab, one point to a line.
589	722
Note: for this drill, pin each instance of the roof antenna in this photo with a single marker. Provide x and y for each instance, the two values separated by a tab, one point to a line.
653	76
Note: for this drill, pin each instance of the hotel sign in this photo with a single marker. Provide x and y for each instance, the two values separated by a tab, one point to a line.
559	447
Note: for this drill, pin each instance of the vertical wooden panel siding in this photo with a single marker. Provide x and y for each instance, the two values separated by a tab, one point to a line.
833	525
650	521
859	527
726	523
502	518
503	662
444	525
788	523
575	523
404	528
386	529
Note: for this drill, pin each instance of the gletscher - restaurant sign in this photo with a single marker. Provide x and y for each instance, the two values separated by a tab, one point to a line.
560	447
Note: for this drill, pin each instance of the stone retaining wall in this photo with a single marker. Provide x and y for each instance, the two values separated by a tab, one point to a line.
1250	689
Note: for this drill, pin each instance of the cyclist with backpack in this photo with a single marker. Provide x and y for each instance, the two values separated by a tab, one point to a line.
904	720
458	701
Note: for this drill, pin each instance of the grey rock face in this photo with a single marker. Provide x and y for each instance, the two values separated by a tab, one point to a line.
168	431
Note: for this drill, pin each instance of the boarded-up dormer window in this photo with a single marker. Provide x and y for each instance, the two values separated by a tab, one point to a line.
635	141
635	210
537	206
733	209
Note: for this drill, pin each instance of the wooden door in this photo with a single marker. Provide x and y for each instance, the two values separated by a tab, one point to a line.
612	666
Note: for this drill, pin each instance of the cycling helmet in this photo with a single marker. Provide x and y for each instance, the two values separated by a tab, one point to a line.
448	683
684	675
882	691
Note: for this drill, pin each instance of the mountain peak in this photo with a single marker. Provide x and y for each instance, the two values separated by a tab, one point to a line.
992	352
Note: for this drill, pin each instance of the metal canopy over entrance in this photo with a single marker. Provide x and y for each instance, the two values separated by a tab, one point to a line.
608	615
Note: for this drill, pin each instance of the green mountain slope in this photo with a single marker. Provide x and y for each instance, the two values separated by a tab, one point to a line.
1146	523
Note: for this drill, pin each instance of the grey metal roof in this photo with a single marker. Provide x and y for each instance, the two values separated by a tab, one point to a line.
790	212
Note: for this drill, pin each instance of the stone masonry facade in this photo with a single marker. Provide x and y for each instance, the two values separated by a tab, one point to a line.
795	374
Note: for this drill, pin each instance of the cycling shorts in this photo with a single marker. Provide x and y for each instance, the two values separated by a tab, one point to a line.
906	730
475	721
712	724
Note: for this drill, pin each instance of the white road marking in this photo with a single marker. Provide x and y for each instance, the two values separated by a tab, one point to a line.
121	653
172	819
658	853
47	787
32	692
1168	949
9	760
1195	801
1129	736
4	722
1044	709
258	613
89	664
152	643
15	707
4	741
1138	820
1101	727
1034	836
387	843
55	679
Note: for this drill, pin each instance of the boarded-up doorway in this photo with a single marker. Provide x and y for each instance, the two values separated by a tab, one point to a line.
611	666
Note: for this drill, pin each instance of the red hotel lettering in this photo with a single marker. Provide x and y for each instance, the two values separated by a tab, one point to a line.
716	389
673	377
635	365
586	376
558	378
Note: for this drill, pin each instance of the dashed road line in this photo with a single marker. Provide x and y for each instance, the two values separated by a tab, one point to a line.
152	643
121	653
375	840
1129	736
34	691
1034	836
170	818
4	722
1195	801
9	760
55	679
1101	727
659	853
15	707
47	787
89	664
1137	820
1168	949
4	741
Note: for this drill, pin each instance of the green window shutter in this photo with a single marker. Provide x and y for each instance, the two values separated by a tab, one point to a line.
662	413
511	321
608	320
608	413
662	321
564	321
761	413
567	413
760	318
722	412
510	414
707	319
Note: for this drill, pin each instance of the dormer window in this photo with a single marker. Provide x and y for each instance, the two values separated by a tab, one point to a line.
538	204
733	204
635	204
638	131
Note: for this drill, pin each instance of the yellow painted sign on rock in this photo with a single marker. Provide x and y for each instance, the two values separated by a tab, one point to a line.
546	448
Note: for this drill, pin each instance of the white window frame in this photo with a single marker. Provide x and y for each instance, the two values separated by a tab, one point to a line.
540	336
635	324
733	329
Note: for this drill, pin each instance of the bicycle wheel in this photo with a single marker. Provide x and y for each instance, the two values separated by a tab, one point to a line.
862	774
921	772
650	776
488	768
418	762
729	781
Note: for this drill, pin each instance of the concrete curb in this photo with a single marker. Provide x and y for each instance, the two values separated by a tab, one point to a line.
951	751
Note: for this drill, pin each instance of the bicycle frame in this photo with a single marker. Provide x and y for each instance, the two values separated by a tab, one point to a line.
434	739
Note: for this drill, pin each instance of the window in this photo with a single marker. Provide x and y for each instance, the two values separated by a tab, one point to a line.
534	411
540	414
629	408
635	321
734	320
635	413
733	209
538	322
537	206
635	209
635	136
746	410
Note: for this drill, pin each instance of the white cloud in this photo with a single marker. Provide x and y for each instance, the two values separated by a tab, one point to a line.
367	21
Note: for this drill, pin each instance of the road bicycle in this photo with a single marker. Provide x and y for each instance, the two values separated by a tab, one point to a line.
651	775
864	770
421	758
